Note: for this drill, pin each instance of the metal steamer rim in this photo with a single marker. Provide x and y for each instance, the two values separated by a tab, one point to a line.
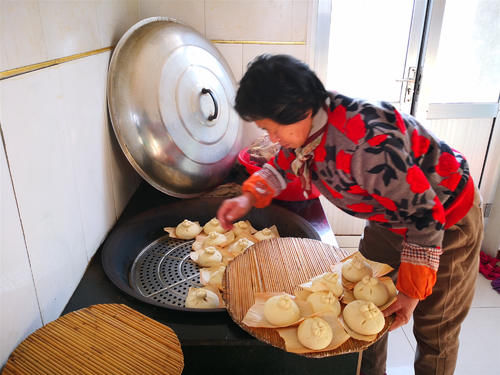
163	273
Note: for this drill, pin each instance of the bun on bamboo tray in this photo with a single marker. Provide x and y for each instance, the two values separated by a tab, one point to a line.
301	279
213	248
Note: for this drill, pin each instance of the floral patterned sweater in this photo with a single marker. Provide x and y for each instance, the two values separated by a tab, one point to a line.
377	164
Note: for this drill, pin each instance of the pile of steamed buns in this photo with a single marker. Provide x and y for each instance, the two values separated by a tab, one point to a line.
361	318
213	248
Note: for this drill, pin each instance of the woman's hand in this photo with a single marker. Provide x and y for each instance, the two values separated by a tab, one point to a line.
403	307
234	208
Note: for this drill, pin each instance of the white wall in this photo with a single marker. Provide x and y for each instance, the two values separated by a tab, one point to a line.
64	181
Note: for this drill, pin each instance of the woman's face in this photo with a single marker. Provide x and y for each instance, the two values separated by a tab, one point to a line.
289	136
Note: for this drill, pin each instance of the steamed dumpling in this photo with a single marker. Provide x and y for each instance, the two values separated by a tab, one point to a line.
187	230
212	276
209	256
240	246
214	239
355	269
363	317
200	298
323	302
329	281
315	333
265	234
281	310
243	227
213	225
372	290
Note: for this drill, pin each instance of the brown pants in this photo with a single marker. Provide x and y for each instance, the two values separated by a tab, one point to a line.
437	319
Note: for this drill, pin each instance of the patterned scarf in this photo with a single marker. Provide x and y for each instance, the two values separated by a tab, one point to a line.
301	166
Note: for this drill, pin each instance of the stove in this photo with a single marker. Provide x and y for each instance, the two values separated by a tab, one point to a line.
210	340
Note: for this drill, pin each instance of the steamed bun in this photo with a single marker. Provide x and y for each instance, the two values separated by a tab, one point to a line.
315	333
214	239
372	290
329	281
240	246
323	302
265	234
209	256
200	298
363	317
187	230
213	225
355	268
281	310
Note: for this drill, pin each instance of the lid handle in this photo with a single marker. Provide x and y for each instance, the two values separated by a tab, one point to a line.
216	106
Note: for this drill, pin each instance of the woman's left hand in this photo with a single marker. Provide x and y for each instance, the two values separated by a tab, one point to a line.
403	307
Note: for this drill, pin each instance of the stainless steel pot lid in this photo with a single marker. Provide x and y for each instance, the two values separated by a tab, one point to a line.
170	98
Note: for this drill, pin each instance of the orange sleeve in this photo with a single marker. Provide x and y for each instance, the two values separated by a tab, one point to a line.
260	189
415	281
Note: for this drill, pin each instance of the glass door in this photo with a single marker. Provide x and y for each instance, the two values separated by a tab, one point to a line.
438	60
374	49
459	93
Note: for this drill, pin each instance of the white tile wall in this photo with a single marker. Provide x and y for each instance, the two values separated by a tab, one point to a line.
114	17
33	31
19	313
2	43
125	179
70	179
190	12
69	27
21	36
300	17
84	116
44	177
233	54
249	20
252	50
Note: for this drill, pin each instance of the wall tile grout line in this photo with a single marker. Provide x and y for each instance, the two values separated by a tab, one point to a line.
21	224
45	64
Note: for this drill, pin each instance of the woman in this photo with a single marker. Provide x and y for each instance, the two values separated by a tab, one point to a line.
416	193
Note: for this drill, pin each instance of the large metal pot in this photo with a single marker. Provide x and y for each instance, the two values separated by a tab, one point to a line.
170	95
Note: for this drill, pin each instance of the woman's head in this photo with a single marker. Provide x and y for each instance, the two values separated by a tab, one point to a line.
280	88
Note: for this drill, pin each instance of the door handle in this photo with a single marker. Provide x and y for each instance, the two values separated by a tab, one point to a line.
410	80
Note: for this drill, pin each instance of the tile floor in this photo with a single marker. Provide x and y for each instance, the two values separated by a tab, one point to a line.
479	338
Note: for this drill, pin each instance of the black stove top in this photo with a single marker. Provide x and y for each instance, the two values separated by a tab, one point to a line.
211	341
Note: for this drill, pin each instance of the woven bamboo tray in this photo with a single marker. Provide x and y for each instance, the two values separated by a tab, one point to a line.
100	339
280	265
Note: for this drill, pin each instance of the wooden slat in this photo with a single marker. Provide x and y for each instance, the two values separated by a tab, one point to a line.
100	339
280	265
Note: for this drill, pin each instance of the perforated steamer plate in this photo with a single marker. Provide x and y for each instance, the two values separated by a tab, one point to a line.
142	261
164	272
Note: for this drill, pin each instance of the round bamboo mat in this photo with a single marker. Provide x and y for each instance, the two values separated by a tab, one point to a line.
280	265
100	339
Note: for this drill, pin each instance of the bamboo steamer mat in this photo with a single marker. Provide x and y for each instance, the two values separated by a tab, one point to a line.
280	265
100	339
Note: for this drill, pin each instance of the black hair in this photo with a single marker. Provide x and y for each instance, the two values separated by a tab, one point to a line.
280	88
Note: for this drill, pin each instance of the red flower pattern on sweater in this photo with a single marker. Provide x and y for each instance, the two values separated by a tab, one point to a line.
416	179
419	144
355	129
344	161
447	165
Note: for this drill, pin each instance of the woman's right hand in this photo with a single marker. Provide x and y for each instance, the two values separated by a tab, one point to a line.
234	208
